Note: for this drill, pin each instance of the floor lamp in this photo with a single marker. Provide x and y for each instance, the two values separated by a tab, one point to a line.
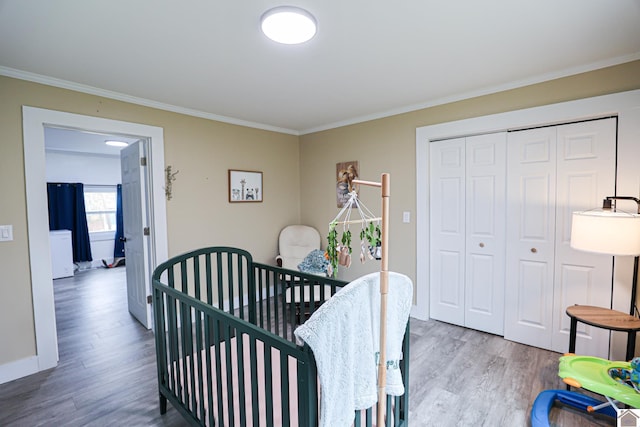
610	231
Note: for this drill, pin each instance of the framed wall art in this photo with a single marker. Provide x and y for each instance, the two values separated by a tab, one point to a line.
345	172
245	186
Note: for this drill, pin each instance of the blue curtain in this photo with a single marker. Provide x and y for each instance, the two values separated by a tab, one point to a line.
67	212
118	249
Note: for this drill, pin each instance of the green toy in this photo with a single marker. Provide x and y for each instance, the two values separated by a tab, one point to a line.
617	381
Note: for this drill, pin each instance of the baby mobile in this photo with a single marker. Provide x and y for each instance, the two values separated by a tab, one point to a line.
339	251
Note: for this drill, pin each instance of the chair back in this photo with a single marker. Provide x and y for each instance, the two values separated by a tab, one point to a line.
295	243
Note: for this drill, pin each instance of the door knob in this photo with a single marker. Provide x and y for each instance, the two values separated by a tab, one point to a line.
534	250
481	245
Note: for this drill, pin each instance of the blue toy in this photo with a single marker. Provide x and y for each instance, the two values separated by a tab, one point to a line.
545	400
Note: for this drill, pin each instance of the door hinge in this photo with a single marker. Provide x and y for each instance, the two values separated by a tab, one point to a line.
146	231
148	299
143	161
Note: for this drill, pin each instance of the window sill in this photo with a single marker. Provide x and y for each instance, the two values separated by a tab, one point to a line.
100	236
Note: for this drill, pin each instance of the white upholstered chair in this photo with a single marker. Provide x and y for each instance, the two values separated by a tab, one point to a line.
295	243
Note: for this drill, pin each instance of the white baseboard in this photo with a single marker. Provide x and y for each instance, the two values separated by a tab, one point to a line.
18	369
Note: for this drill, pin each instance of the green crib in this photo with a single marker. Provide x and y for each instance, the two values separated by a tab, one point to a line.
225	348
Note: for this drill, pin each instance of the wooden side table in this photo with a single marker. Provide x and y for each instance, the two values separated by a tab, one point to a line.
603	318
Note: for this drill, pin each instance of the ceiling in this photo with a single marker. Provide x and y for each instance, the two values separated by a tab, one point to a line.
71	140
369	59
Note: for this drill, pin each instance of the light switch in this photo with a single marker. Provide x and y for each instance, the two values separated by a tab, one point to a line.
406	216
6	233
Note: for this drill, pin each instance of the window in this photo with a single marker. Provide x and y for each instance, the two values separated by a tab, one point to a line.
100	205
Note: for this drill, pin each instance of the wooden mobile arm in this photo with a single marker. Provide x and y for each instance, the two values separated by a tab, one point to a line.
385	191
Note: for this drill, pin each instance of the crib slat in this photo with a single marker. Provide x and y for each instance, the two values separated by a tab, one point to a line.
231	283
208	334
357	421
241	288
161	345
184	277
229	373
207	268
220	281
396	410
196	276
268	383
189	353
174	357
258	303
199	363
284	394
242	398
254	383
216	350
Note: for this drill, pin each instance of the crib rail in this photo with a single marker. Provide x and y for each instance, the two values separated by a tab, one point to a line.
286	298
226	353
205	339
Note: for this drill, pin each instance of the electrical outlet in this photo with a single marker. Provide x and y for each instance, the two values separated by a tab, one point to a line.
406	217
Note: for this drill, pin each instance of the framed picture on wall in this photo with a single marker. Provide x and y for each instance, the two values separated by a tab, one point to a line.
345	172
245	186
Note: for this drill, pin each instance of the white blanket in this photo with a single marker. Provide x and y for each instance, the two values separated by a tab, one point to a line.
344	336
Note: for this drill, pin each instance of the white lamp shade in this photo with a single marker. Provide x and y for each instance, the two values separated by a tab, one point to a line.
606	232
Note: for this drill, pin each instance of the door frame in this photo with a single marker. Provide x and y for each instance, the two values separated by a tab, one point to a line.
625	105
34	120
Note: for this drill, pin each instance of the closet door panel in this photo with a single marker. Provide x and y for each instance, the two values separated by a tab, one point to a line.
586	174
447	227
531	178
532	311
485	232
480	298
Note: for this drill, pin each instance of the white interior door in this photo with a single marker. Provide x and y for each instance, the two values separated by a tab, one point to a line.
467	198
135	219
485	232
586	159
447	225
531	195
552	172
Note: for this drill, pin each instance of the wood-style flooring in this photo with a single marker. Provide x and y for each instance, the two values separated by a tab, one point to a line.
107	375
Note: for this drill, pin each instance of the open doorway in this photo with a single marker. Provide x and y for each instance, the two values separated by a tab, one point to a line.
88	167
34	122
78	156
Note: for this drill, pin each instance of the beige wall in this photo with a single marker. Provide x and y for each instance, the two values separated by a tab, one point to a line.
388	145
197	215
203	150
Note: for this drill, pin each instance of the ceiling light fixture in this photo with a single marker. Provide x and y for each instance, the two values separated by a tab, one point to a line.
116	143
288	25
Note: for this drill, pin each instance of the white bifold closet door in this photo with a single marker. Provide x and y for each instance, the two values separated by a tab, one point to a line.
551	172
467	231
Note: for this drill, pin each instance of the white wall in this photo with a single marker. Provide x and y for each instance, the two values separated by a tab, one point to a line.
82	167
89	169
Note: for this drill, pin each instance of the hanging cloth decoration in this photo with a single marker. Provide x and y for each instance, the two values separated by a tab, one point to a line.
339	252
